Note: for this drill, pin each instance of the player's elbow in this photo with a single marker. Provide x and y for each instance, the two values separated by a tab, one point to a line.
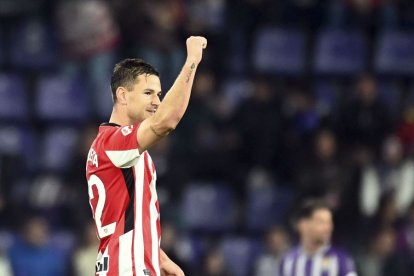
168	123
167	120
171	122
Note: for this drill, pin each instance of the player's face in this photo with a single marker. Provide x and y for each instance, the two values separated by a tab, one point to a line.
318	228
321	226
144	99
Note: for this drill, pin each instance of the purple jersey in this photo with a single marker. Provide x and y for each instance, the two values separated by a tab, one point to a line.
328	261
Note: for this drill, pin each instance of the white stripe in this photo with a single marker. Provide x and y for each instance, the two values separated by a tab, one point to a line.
138	235
100	262
123	158
351	274
287	269
153	218
300	265
153	171
125	254
316	269
334	266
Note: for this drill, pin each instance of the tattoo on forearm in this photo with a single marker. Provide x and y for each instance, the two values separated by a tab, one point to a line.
190	73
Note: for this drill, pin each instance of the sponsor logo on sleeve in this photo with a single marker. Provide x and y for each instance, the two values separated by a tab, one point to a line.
127	130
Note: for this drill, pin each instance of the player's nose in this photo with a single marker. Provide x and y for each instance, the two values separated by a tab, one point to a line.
156	100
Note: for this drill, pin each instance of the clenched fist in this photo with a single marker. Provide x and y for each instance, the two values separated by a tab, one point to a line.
195	46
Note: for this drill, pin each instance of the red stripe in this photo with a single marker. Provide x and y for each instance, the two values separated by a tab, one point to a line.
113	248
133	232
146	217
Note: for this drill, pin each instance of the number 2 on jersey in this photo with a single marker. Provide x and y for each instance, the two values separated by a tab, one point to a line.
103	230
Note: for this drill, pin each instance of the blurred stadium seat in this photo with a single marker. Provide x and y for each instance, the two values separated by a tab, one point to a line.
19	142
63	241
7	239
390	94
58	148
192	248
267	206
239	253
33	46
13	94
326	94
10	140
2	48
339	53
410	95
395	53
102	98
279	51
236	90
60	98
208	207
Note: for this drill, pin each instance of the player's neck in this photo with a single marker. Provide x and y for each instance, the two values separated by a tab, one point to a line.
311	248
119	118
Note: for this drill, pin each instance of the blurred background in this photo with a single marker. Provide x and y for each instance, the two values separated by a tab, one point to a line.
294	99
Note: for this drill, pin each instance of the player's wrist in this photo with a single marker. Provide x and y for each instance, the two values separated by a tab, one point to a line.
191	62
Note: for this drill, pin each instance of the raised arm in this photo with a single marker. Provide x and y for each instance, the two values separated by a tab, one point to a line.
174	105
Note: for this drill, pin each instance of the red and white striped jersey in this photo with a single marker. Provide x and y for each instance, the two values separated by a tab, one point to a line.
123	198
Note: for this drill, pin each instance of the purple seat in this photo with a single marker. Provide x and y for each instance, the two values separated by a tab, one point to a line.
279	51
33	46
13	94
208	207
390	93
19	141
239	254
326	93
395	53
339	52
58	148
267	206
60	98
194	247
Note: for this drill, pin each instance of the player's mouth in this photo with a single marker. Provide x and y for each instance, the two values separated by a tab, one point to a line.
152	111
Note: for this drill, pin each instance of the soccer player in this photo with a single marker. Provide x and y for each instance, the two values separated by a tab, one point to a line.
120	173
315	256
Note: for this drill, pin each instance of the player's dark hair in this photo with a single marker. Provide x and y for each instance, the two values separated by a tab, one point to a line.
126	71
309	207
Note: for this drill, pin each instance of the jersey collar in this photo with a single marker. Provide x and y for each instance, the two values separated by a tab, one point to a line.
110	124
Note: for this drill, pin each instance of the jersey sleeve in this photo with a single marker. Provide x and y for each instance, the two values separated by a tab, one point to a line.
121	146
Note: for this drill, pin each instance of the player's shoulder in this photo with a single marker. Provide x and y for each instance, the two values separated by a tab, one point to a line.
343	256
339	251
345	260
108	128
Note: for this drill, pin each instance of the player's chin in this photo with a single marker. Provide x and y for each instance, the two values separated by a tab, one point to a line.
326	239
149	113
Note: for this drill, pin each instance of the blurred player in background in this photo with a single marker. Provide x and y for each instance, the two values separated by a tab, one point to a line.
315	256
120	172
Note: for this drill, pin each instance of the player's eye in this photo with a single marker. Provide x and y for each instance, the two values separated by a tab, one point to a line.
147	93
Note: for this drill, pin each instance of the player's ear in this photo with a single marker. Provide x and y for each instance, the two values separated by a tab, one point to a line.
121	95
